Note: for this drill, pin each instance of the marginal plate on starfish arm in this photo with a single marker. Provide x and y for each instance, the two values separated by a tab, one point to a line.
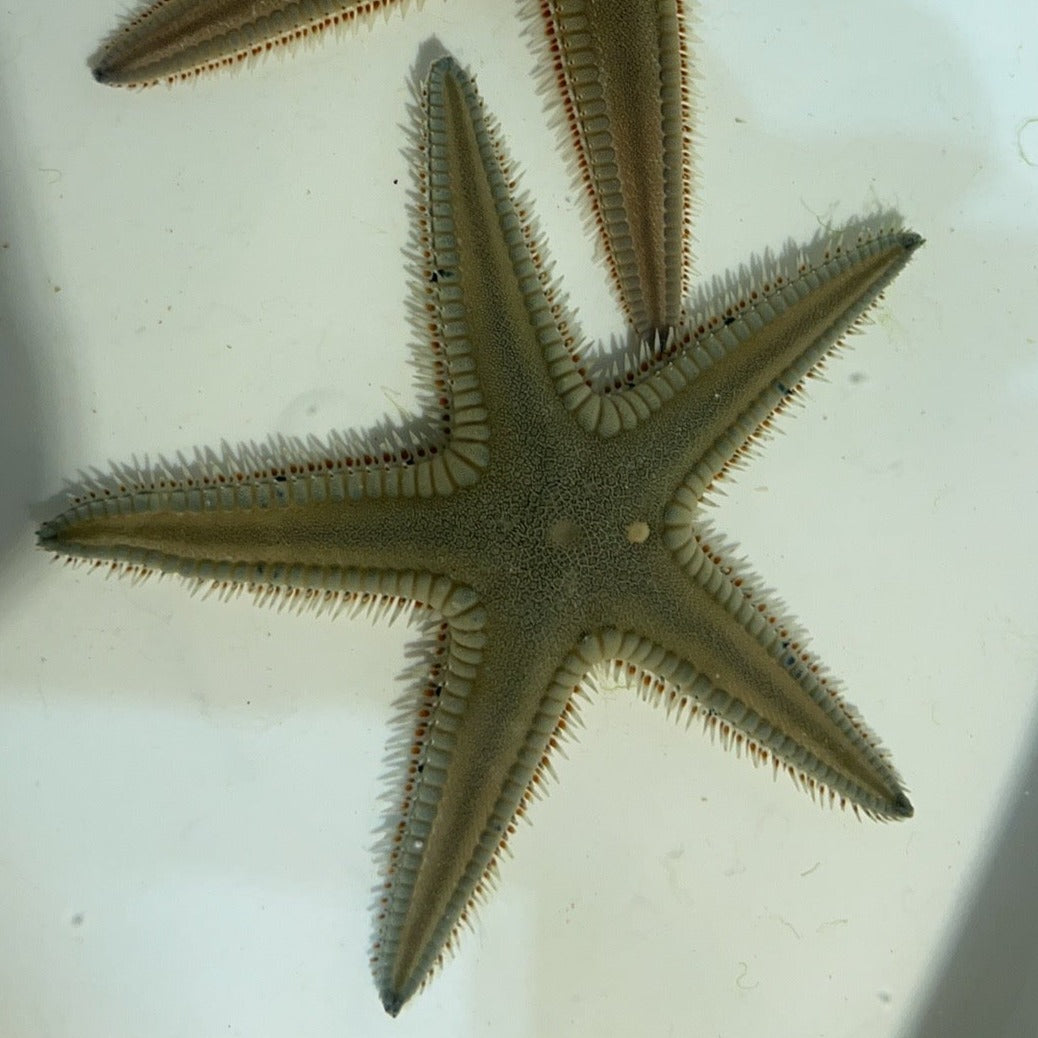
171	40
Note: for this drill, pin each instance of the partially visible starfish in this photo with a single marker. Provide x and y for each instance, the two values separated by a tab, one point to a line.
181	39
547	515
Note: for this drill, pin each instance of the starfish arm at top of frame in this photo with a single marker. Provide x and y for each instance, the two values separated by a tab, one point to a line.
620	73
171	40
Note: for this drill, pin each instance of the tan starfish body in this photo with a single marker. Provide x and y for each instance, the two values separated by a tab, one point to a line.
548	516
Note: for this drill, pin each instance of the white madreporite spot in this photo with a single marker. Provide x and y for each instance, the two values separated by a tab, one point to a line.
637	532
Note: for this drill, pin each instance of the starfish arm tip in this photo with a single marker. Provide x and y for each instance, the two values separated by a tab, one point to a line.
910	241
903	806
392	1003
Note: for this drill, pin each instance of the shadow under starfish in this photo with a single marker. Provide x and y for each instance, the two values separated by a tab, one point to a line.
548	515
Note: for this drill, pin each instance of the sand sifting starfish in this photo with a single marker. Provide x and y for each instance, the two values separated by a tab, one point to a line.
543	518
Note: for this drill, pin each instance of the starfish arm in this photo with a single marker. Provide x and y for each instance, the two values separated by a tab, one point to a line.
708	394
279	516
493	308
754	357
621	72
703	638
485	725
180	39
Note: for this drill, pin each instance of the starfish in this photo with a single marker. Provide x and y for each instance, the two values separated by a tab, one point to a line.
543	519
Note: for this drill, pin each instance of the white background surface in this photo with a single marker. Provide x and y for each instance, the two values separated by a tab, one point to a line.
189	789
